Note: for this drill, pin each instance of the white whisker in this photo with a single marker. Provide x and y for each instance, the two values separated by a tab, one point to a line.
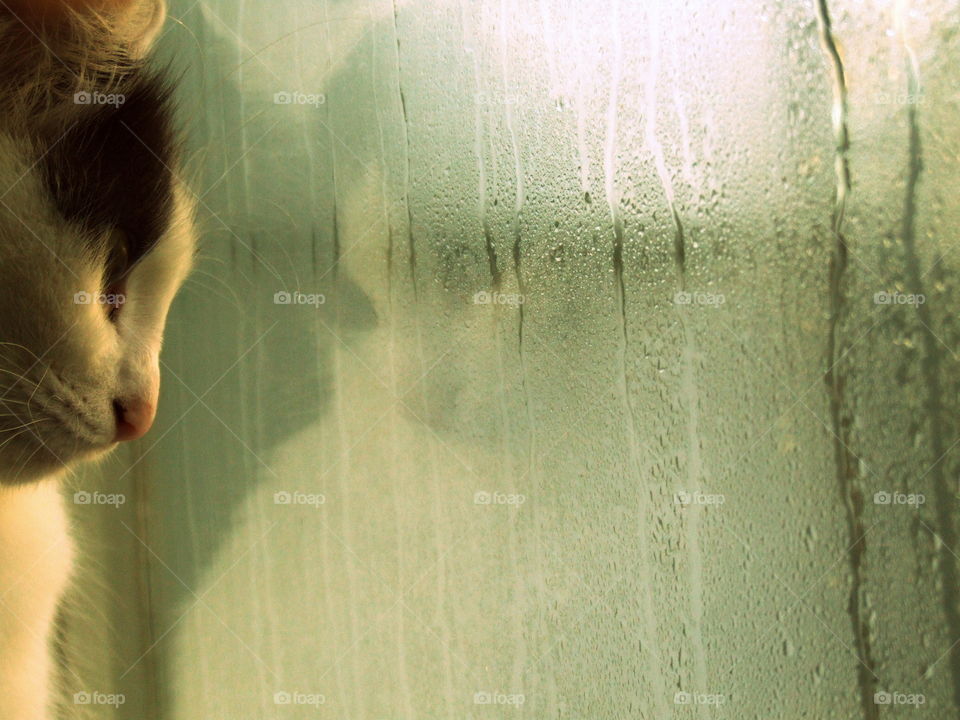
22	377
13	437
25	425
20	347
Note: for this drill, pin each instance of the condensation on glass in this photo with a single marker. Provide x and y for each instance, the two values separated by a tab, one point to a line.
558	360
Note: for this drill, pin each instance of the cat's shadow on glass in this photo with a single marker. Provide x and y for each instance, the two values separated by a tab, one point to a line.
247	363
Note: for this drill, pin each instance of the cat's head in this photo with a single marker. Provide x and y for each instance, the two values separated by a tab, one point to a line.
95	239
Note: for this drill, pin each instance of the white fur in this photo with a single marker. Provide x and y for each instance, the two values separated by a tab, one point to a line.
62	362
35	562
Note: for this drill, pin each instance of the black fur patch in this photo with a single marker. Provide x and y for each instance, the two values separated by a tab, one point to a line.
112	170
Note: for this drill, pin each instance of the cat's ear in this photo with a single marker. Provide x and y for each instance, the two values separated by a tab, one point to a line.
142	23
137	23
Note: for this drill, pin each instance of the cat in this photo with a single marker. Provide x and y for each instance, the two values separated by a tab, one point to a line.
96	237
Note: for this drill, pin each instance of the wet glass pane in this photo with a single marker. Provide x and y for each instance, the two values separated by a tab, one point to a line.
553	359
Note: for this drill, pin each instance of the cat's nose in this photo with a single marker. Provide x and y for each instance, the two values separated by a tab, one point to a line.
134	418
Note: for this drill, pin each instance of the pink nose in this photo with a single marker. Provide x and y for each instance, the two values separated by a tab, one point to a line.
134	418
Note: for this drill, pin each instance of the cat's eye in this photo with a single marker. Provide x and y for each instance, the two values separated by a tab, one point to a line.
117	267
114	300
118	259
